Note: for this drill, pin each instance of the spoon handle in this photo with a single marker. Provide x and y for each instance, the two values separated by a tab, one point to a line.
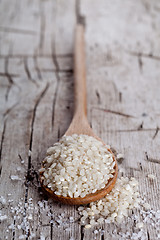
80	108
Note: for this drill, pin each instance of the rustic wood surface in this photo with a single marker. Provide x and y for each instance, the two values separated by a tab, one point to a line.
36	99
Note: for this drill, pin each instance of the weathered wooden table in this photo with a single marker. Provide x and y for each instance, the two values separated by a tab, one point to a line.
36	103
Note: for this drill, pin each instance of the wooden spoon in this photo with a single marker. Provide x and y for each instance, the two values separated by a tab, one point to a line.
79	124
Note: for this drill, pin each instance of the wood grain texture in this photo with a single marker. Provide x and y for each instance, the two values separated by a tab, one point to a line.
36	96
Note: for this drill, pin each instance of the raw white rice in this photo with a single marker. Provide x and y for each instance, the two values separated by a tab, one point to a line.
77	165
115	205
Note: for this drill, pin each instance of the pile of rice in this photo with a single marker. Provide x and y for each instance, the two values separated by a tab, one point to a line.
114	206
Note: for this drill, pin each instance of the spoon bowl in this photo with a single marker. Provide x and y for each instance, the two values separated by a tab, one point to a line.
80	125
88	198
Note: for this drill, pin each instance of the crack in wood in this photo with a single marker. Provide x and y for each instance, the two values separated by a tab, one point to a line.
59	133
140	165
1	144
140	63
148	235
42	27
29	175
120	97
17	31
9	110
145	55
98	97
37	67
156	132
26	68
140	127
66	71
39	214
13	232
54	70
29	170
25	209
55	63
102	235
114	112
20	157
34	115
133	130
146	155
9	77
40	55
51	235
153	160
82	232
